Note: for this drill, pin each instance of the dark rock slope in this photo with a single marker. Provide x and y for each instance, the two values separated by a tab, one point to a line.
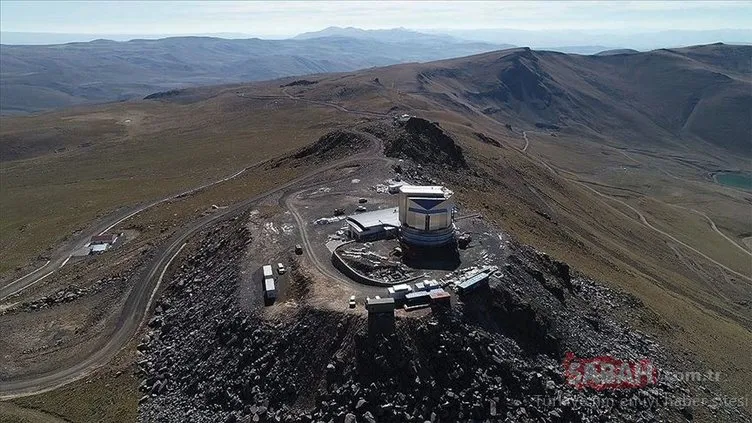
335	144
496	357
420	141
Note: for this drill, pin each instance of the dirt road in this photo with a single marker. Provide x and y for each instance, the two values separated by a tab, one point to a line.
325	267
64	252
138	302
336	106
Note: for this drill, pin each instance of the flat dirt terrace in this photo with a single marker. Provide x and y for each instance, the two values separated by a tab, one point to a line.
300	219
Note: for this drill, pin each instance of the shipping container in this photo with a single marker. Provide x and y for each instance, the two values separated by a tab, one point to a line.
431	284
417	298
399	291
439	296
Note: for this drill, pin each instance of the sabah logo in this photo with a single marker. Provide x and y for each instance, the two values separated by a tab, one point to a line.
606	372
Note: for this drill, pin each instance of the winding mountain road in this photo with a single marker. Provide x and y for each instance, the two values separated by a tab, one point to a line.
139	301
336	106
326	270
641	218
63	253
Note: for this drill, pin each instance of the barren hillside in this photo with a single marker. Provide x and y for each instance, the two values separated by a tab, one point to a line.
46	77
605	163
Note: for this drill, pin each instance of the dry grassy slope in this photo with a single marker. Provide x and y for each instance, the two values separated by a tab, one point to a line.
88	162
606	127
639	113
600	238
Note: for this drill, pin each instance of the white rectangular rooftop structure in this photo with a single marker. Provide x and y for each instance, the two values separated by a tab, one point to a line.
99	248
383	217
269	284
431	191
268	272
402	287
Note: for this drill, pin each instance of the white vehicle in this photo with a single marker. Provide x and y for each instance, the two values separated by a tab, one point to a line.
352	301
268	272
281	269
270	289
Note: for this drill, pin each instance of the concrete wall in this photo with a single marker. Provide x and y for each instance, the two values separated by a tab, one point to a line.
343	267
351	273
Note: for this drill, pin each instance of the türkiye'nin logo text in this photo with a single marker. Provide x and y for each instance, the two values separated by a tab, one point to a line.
605	372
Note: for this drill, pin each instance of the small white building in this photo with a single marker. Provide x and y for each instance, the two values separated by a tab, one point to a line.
98	248
399	292
101	243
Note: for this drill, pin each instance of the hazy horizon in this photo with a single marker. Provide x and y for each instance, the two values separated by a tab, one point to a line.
535	39
534	23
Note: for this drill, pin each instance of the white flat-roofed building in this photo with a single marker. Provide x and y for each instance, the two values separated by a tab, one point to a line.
98	248
377	224
399	291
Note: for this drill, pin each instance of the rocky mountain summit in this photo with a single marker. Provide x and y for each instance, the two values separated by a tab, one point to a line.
497	356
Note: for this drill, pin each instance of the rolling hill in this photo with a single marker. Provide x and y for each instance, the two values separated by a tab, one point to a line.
602	162
686	99
42	77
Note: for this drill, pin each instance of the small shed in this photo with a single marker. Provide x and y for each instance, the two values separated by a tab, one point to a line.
440	297
380	305
104	239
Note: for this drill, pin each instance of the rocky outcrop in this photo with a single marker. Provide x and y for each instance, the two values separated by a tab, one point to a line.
67	294
336	144
497	356
300	82
163	94
424	142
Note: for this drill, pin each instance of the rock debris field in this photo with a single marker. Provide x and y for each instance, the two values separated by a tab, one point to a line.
497	356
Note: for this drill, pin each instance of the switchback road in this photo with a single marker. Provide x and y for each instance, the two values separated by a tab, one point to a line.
137	305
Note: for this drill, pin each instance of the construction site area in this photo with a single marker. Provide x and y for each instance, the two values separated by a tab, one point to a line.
385	240
368	293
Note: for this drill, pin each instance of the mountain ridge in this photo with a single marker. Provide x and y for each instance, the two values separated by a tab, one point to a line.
43	77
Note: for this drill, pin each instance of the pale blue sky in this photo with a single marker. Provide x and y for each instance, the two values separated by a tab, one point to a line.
282	19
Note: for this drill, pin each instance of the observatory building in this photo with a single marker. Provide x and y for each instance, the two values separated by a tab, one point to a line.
425	216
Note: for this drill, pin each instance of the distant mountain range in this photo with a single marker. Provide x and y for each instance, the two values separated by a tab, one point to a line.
687	99
42	77
603	39
383	35
36	78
